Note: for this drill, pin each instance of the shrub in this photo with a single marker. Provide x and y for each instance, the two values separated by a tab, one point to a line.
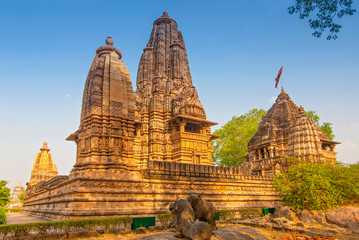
240	213
18	230
165	218
316	186
12	209
2	216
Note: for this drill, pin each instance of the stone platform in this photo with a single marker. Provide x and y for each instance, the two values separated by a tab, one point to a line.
148	192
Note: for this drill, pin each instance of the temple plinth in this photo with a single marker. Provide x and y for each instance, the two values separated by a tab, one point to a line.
44	169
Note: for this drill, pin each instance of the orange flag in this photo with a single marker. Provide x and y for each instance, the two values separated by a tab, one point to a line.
278	76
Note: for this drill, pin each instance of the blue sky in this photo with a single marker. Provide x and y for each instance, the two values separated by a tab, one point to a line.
235	49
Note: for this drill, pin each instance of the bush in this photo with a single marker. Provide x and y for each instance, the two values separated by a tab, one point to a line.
12	209
18	230
240	213
316	186
2	216
165	219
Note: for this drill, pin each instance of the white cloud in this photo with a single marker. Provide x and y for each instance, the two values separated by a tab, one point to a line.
67	95
272	99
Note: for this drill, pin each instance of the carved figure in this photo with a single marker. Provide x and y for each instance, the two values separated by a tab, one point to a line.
203	210
186	225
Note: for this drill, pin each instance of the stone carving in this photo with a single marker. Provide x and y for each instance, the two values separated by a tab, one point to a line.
186	225
164	91
286	132
203	210
44	169
106	133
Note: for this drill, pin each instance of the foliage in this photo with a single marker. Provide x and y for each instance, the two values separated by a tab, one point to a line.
4	193
231	148
318	186
240	213
22	196
326	126
17	230
2	216
326	11
12	209
165	218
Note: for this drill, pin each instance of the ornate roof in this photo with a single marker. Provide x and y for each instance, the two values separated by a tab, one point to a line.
304	136
275	124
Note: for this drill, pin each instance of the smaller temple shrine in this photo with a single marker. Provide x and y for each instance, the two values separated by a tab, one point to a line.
15	197
44	169
286	133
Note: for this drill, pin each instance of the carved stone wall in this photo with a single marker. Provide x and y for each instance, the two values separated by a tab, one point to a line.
149	193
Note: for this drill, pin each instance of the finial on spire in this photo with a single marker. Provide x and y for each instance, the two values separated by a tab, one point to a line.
282	89
44	147
109	41
165	13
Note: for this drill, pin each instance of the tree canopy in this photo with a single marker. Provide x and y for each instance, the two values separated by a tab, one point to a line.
231	148
327	13
4	193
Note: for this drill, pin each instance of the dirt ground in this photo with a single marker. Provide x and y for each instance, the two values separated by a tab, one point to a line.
224	232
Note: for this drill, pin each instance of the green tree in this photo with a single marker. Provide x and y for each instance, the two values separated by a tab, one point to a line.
326	126
4	193
231	148
318	186
22	196
327	11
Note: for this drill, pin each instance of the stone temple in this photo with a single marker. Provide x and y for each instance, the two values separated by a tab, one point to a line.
286	133
137	151
44	169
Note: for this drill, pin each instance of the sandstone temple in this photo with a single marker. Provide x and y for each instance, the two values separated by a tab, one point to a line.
284	134
137	151
44	169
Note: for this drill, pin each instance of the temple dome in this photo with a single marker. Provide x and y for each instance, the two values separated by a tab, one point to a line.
164	19
304	137
108	48
279	118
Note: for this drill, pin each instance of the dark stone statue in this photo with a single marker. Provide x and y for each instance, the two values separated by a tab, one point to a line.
203	210
186	225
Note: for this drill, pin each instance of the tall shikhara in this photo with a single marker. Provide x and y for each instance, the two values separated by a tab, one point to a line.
106	133
171	122
44	169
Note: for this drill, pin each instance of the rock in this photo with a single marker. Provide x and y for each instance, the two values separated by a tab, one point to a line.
300	224
347	217
306	217
285	212
141	230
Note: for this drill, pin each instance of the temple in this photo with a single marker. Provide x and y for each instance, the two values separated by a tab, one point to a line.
15	197
286	134
44	169
137	151
171	122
